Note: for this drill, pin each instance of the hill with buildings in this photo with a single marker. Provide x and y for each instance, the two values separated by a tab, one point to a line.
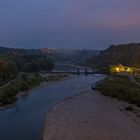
126	54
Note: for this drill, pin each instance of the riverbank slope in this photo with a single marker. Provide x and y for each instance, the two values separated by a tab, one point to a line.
23	85
91	116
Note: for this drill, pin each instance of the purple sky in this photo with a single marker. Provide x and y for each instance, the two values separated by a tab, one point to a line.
93	24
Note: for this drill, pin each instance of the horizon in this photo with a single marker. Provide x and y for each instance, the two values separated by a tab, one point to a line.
14	47
68	24
49	48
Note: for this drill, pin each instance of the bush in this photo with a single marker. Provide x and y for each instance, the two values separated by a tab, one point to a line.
121	88
24	83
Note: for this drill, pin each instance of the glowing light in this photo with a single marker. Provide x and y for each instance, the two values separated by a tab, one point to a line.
117	69
128	70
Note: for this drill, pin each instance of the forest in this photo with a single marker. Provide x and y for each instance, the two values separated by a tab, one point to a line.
15	61
126	54
19	72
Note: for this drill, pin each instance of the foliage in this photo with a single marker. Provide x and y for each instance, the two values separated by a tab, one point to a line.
14	61
32	60
120	87
137	79
126	54
23	83
35	63
8	71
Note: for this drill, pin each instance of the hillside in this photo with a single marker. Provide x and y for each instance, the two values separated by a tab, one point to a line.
26	60
17	51
126	54
76	56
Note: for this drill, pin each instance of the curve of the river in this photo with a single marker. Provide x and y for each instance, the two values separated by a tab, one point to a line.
25	120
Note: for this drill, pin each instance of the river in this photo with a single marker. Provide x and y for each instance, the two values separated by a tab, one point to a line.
26	119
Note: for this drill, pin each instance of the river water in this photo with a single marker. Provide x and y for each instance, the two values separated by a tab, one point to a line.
25	120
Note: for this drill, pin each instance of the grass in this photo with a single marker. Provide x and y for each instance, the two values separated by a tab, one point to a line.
137	79
8	93
120	87
23	83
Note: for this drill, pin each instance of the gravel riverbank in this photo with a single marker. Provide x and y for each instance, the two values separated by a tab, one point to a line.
91	116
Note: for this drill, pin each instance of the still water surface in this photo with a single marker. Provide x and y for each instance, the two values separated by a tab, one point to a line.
25	120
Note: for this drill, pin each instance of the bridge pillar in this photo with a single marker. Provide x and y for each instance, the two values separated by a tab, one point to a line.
78	71
86	71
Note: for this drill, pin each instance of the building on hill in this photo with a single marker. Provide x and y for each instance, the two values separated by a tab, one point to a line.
121	69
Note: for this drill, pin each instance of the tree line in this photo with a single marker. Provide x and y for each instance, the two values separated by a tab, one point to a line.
126	54
13	62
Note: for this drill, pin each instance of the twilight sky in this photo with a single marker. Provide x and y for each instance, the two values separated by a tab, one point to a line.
93	24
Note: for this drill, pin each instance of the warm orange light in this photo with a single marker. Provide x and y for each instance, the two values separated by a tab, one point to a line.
128	70
117	69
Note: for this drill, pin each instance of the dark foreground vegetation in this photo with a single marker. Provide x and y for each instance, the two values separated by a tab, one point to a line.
15	61
24	83
120	87
18	71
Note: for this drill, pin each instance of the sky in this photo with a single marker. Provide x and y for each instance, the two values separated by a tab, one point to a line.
85	24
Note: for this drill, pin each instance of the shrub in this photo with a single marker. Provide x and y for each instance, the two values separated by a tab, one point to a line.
121	88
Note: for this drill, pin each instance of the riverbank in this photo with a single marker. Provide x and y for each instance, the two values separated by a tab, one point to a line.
91	116
122	87
45	79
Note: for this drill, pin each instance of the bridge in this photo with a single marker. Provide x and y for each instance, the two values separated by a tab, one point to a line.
71	69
